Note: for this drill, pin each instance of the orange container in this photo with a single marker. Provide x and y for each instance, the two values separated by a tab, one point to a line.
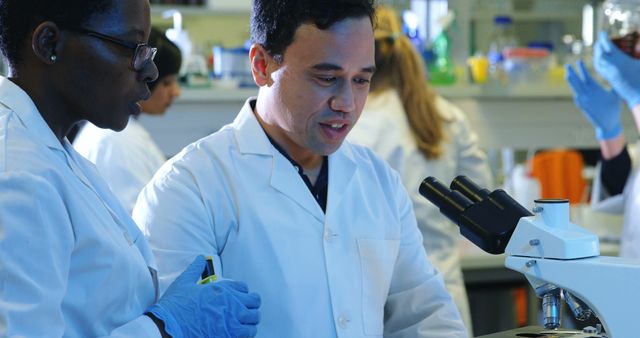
560	174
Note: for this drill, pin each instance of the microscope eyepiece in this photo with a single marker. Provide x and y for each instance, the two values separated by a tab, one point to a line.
485	218
451	203
469	189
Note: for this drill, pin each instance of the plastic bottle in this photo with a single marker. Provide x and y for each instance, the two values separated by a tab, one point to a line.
442	67
501	39
621	21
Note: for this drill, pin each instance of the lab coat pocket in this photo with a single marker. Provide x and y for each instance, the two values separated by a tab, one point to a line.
377	258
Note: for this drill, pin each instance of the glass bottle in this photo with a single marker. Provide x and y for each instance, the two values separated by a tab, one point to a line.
621	22
501	38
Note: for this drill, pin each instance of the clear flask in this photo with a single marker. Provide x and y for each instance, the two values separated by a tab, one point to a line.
621	22
502	38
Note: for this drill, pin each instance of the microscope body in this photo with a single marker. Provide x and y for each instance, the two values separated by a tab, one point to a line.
559	259
558	256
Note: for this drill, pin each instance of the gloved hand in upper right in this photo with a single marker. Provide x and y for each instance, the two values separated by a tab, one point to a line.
619	69
224	309
600	106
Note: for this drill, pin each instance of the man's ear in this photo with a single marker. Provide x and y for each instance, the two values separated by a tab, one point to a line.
260	62
45	42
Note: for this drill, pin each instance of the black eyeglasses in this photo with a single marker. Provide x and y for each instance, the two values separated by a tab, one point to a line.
142	52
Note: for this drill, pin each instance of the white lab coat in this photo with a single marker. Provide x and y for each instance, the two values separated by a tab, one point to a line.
126	160
358	270
627	203
383	126
73	262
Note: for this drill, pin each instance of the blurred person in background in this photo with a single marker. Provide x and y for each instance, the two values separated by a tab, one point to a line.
128	159
74	264
616	186
420	134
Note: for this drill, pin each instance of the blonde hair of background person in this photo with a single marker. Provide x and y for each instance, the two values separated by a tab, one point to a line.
420	134
400	67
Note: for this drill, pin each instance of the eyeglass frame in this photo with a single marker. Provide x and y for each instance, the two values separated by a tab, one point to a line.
136	47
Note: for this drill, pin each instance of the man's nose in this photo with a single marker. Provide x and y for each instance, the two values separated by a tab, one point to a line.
344	99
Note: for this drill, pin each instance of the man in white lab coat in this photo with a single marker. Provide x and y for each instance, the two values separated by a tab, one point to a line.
322	229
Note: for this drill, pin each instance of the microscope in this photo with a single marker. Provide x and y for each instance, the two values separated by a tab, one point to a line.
559	259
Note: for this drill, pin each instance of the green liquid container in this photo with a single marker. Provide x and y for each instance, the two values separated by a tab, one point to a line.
441	68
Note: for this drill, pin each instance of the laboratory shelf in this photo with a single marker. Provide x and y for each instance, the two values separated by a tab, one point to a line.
458	91
510	91
199	10
521	17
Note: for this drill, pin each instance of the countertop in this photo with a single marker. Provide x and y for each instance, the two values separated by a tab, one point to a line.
219	92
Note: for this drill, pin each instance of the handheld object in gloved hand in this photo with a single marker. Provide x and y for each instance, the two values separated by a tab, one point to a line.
225	308
209	274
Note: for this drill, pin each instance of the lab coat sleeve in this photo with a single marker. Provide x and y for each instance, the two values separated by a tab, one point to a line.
369	132
364	129
601	200
172	214
418	304
123	166
35	254
472	160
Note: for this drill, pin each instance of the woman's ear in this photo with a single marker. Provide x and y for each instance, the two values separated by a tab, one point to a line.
260	61
45	42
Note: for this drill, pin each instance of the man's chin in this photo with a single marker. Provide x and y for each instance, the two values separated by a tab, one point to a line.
329	149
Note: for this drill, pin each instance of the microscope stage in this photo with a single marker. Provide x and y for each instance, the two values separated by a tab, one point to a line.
540	332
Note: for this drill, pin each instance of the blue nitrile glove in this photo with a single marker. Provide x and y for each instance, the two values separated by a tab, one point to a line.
221	309
600	106
619	69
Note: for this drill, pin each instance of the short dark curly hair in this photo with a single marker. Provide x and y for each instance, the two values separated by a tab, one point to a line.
274	22
18	18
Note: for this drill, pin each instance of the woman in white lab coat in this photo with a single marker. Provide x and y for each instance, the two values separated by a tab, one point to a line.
420	134
74	264
128	159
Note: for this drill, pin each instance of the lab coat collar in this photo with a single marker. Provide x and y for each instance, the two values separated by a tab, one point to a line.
16	99
252	139
249	134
